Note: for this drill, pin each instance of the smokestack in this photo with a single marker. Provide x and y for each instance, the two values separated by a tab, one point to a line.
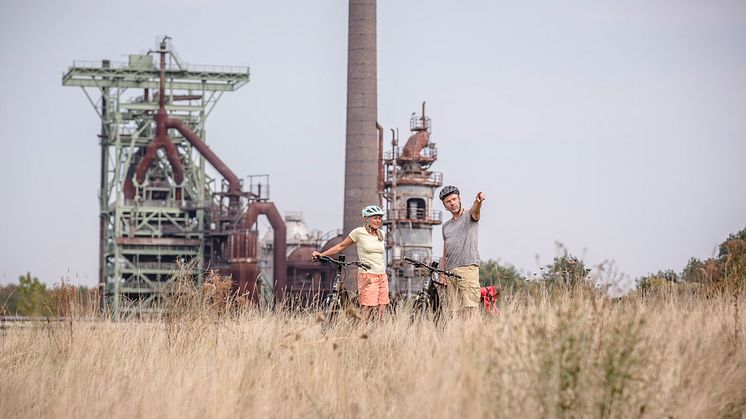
361	150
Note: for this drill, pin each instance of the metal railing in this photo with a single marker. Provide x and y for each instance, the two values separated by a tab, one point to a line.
259	186
420	123
415	215
428	153
170	67
428	178
149	266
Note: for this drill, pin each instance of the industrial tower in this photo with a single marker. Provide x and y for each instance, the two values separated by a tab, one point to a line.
361	146
155	198
408	188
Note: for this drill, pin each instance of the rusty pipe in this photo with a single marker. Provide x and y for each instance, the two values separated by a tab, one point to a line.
162	87
176	98
379	127
415	144
234	183
150	155
279	247
161	140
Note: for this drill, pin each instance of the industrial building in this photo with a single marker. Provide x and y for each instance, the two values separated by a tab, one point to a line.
160	212
408	188
308	282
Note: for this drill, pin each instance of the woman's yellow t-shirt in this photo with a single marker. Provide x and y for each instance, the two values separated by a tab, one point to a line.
370	250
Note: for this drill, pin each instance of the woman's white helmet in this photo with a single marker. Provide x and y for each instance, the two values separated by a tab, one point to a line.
372	210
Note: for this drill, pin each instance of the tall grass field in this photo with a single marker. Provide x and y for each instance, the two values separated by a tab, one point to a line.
550	353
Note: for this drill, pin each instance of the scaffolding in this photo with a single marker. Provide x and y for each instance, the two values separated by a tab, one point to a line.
145	240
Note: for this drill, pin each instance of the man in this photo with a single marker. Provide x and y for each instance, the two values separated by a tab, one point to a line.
460	253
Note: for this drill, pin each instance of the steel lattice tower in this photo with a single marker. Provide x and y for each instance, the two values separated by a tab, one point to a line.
144	240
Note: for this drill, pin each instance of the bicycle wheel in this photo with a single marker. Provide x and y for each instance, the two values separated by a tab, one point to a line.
349	307
332	307
420	307
348	297
437	307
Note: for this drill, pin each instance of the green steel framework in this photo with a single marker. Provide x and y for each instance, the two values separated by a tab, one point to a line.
144	241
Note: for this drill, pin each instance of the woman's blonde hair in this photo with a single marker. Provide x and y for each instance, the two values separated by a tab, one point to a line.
378	231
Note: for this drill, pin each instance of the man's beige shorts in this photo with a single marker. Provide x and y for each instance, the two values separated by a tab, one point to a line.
464	292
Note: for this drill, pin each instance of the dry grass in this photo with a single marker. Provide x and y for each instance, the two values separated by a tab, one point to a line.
561	354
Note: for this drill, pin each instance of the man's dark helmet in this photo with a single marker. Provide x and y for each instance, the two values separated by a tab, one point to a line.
447	190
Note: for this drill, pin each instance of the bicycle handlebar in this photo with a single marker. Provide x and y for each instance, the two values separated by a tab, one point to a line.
340	263
431	269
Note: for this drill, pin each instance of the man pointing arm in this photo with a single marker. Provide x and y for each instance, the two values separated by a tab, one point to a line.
460	249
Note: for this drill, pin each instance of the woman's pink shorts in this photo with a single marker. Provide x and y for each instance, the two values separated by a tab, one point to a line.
373	289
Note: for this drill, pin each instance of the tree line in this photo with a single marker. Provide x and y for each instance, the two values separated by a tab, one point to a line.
31	297
724	272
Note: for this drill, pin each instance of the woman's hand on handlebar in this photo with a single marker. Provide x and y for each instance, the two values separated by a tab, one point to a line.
315	255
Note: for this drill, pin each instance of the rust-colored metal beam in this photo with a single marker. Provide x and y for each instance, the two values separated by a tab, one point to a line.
379	127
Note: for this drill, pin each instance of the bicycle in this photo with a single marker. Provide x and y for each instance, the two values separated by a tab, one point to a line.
340	297
428	300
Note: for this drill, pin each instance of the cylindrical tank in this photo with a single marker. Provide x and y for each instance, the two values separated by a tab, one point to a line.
242	261
242	245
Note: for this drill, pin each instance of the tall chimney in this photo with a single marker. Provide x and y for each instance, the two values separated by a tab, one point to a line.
361	151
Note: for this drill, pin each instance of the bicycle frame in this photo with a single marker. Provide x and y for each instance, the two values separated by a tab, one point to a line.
339	298
338	285
428	300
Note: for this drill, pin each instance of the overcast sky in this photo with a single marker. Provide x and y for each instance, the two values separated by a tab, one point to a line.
615	128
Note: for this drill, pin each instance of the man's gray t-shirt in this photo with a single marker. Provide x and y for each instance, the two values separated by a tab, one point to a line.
461	237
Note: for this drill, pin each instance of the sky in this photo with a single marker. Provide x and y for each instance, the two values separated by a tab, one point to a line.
614	130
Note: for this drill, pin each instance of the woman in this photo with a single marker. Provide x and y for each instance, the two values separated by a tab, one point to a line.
372	284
